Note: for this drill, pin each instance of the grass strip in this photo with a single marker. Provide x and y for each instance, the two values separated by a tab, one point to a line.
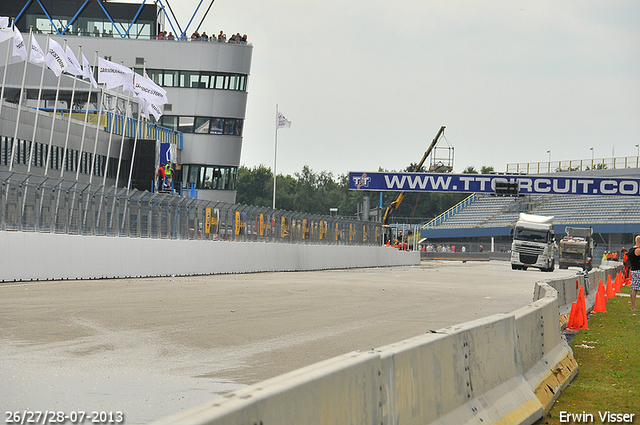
608	379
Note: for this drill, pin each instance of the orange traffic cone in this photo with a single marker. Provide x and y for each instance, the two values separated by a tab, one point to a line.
601	304
604	292
571	325
583	307
601	285
580	314
610	292
616	284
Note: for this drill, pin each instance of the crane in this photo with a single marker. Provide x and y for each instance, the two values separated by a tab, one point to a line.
396	203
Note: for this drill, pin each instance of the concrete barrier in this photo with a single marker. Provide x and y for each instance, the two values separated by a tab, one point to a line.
466	256
342	390
45	256
545	359
462	374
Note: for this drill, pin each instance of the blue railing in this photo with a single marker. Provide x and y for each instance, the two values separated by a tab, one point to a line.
451	211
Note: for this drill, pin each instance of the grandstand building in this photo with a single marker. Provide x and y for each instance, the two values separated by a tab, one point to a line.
487	220
206	85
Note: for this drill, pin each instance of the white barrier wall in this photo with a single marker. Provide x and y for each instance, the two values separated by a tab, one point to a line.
47	256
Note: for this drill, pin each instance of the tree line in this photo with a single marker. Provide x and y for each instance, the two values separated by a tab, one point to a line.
315	193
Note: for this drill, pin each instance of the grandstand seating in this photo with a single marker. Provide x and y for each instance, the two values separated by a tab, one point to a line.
492	211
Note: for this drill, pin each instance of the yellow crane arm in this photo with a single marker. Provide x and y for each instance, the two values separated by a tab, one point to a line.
395	204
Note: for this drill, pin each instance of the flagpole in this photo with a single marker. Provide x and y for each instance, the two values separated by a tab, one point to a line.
37	110
24	76
99	96
73	94
6	65
55	109
275	157
106	168
111	130
124	130
138	127
98	99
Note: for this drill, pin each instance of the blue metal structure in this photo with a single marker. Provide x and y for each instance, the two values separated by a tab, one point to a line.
119	28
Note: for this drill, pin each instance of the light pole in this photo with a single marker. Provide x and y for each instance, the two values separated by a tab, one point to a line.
638	148
549	152
591	149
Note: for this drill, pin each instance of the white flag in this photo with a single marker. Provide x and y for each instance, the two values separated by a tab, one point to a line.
19	49
283	122
37	54
146	89
56	58
114	75
147	108
155	110
144	108
74	66
4	22
87	71
5	34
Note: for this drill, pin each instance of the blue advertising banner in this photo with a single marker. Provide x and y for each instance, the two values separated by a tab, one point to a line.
486	183
167	153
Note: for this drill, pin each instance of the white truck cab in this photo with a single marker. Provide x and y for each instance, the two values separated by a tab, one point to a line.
533	243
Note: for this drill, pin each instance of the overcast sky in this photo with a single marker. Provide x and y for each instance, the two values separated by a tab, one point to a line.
367	84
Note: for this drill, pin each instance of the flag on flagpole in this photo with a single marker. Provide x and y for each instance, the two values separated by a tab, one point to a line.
56	58
19	49
114	75
74	66
147	108
146	89
5	34
144	108
156	111
283	122
37	54
86	68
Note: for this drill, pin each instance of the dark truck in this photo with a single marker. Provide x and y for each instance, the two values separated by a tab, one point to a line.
576	248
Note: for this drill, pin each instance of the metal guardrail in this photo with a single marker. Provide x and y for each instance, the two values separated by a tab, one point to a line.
39	204
575	165
451	211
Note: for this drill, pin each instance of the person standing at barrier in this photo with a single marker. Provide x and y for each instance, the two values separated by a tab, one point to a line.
625	263
168	174
634	259
160	175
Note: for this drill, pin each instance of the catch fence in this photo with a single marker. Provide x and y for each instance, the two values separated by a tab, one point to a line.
40	204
